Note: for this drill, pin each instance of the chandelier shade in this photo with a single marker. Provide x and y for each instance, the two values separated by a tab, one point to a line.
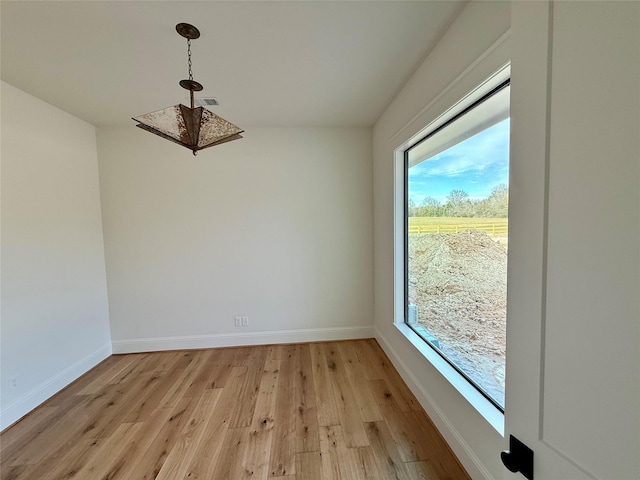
192	127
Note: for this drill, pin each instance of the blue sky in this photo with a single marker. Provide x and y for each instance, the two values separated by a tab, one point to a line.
476	166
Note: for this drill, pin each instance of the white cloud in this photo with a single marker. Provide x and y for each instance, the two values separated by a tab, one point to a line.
475	155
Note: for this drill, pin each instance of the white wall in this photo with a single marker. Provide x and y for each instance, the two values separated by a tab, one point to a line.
462	59
276	226
55	321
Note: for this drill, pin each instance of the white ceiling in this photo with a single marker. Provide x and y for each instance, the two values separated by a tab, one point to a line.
290	63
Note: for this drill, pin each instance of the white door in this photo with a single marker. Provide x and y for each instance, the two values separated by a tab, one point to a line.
573	361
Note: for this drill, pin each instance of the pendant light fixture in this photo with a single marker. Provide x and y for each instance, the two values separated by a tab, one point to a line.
192	127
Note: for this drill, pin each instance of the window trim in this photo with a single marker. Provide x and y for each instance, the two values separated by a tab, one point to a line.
487	409
506	83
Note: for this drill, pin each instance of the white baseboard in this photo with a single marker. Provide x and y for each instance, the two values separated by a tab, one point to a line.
240	339
474	466
19	408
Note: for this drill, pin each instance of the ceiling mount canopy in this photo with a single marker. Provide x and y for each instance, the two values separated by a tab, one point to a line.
193	127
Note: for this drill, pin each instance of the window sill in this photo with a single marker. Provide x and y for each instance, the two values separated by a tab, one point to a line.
485	408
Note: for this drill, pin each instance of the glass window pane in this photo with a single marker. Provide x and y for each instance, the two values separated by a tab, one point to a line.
457	225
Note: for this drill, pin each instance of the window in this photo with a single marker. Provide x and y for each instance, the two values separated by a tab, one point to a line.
456	225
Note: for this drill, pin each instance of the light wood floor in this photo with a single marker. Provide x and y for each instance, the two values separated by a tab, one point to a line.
286	412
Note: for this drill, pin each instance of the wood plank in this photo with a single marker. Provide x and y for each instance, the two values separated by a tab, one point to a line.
367	459
32	449
75	455
390	464
220	373
38	417
338	461
184	360
410	445
255	462
131	371
204	462
230	462
143	409
149	465
325	401
241	355
66	461
308	465
331	441
179	458
265	410
104	464
274	352
75	387
306	434
188	373
377	362
424	471
123	362
332	357
436	454
243	412
31	432
14	473
162	361
348	411
137	448
283	453
353	360
200	379
116	404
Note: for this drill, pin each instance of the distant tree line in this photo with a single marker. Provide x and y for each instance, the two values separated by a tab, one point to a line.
458	204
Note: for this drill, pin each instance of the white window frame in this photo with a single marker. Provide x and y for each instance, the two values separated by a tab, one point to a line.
493	415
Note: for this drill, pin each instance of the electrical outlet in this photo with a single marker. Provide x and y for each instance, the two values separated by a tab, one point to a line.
245	321
237	321
13	383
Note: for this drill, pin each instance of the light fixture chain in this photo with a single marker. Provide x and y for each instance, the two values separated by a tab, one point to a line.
189	55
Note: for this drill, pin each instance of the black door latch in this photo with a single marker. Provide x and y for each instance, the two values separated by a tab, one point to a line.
519	458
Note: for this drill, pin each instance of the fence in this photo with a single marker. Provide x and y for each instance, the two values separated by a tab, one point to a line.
493	229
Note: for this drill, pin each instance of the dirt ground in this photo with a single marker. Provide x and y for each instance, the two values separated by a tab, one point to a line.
458	282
